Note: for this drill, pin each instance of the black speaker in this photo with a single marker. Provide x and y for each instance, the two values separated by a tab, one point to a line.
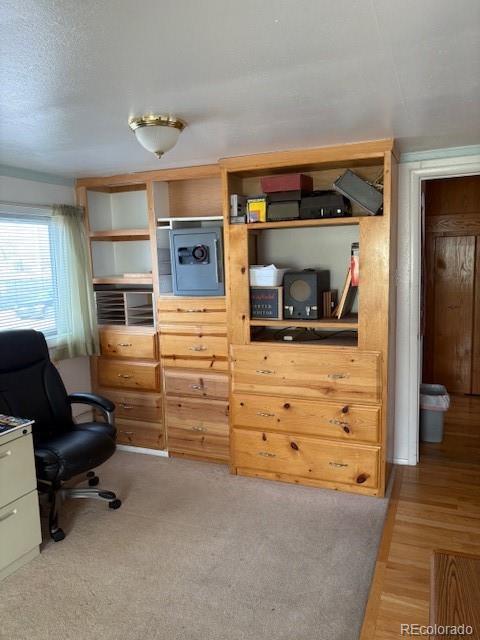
303	293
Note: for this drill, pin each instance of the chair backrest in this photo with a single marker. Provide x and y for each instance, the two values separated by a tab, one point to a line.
30	386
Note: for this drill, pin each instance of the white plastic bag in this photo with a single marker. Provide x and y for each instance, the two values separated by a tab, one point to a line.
434	397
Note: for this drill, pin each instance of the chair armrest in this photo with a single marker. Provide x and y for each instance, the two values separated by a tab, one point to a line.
92	399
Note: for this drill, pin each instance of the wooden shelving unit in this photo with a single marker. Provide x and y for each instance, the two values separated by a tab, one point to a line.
314	412
119	235
296	224
348	323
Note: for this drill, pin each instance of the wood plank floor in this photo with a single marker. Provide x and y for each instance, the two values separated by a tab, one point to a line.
435	505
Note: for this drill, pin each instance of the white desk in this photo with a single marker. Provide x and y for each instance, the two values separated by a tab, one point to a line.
20	533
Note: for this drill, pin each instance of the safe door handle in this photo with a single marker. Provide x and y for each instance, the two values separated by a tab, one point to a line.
8	515
265	414
197	347
5	454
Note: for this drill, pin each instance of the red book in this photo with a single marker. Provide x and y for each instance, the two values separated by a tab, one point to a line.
355	264
287	182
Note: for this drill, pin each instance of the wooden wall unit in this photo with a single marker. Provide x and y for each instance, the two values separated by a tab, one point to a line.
315	413
169	381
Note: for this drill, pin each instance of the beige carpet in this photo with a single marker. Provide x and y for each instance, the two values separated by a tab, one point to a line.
197	554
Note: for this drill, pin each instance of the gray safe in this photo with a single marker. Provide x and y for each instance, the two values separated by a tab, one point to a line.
197	261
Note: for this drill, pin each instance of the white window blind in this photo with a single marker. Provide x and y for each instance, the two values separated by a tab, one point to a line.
30	270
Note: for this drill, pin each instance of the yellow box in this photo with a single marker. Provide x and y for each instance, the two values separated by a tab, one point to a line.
256	210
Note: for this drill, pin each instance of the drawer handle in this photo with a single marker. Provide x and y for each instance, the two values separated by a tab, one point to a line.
199	428
267	454
127	433
264	414
337	376
123	375
127	407
198	347
192	310
8	515
264	372
338	465
5	454
124	344
197	387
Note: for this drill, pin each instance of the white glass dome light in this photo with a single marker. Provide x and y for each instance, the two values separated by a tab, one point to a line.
156	133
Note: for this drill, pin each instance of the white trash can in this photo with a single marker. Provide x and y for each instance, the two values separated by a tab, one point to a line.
434	402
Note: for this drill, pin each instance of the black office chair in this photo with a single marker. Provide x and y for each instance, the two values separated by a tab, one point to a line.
31	387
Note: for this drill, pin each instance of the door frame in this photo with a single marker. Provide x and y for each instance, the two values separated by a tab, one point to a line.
409	341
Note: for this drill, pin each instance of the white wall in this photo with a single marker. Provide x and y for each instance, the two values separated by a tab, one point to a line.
76	372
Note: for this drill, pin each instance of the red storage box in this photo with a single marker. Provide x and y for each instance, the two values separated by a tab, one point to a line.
287	182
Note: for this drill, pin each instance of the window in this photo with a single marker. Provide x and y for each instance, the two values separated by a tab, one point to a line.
29	273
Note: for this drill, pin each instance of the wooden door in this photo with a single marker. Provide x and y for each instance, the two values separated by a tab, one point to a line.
454	270
452	300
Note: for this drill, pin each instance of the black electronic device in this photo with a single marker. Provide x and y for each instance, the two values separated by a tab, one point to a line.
288	210
360	191
303	293
325	204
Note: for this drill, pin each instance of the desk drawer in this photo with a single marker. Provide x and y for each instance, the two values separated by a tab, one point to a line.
306	457
140	434
198	384
123	344
135	405
199	427
204	345
347	375
326	419
128	374
17	469
19	528
187	310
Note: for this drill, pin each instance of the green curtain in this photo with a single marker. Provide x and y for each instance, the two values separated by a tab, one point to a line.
77	334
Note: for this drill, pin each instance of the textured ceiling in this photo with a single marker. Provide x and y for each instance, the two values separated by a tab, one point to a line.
247	76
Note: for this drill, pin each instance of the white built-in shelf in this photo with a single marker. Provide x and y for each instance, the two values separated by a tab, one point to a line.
144	279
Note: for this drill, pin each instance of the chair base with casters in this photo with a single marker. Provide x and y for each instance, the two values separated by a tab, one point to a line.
31	387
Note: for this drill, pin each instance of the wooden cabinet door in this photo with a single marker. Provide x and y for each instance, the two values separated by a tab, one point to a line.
454	282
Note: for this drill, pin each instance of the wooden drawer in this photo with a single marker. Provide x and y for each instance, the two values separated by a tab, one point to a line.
140	434
202	345
17	469
307	372
124	344
199	427
135	405
326	419
306	457
19	528
199	384
187	310
128	374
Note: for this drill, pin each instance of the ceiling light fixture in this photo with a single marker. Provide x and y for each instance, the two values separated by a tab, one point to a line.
156	133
